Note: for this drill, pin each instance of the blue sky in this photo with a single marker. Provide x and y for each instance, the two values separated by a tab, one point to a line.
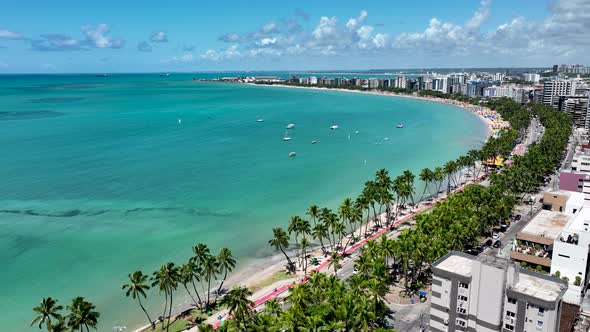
138	36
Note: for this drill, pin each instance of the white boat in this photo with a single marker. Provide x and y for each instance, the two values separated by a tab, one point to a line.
314	142
399	125
386	139
260	120
356	132
334	127
179	121
286	138
290	126
292	154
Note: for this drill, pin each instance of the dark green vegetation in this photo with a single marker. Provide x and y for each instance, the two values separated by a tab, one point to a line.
80	316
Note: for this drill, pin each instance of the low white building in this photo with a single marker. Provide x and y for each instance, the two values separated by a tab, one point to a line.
570	255
488	293
581	162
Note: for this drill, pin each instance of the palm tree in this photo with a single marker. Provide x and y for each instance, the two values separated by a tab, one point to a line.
294	228
185	276
226	263
196	271
238	303
320	232
426	176
272	307
280	241
314	212
201	252
136	288
166	278
304	244
210	270
82	315
61	326
335	262
438	176
45	311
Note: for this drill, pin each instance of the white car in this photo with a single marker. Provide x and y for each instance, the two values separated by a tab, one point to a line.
495	236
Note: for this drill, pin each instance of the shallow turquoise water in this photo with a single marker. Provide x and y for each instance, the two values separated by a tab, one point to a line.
99	178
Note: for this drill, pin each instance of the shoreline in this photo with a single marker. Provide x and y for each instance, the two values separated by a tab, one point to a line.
493	122
257	270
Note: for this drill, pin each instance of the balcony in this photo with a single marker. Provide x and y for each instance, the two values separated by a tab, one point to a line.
542	260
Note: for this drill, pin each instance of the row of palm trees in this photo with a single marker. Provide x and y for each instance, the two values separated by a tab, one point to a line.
201	269
81	315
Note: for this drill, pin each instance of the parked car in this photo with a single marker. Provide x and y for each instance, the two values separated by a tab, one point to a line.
497	244
503	227
495	236
517	218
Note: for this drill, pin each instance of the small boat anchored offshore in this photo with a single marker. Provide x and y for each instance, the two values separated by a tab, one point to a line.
334	127
314	142
290	126
399	125
292	154
260	120
286	138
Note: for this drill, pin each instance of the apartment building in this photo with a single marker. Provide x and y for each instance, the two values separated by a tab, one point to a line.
552	89
487	293
571	255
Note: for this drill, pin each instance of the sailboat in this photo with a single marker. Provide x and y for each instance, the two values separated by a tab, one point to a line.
286	138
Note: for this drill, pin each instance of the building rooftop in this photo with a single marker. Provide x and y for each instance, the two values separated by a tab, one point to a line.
457	264
546	224
580	222
537	287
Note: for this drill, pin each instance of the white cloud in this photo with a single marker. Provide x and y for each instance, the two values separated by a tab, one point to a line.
159	37
267	41
7	34
326	28
562	35
480	16
98	37
229	53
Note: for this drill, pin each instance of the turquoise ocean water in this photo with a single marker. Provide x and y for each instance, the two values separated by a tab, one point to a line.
100	179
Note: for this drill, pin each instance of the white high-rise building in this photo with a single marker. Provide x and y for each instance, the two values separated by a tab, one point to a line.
553	89
488	293
532	77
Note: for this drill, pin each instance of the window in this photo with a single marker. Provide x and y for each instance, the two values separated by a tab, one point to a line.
560	255
541	311
510	313
460	322
509	327
461	311
463	285
539	324
511	300
462	297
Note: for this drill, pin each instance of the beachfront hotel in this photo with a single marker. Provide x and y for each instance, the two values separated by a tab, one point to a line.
487	293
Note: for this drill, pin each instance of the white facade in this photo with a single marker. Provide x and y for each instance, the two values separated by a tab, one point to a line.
581	163
552	90
532	77
487	293
570	254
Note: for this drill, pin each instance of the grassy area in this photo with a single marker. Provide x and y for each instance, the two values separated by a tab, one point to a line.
278	276
182	323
